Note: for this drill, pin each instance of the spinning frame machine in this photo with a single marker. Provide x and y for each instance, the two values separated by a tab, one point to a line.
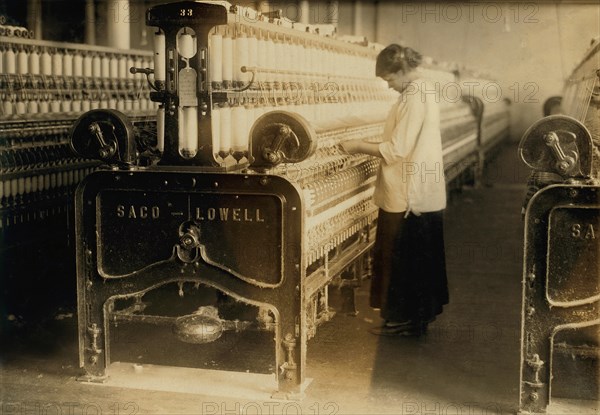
246	165
269	221
561	274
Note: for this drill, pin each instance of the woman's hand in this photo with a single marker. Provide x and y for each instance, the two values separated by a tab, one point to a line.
351	146
360	146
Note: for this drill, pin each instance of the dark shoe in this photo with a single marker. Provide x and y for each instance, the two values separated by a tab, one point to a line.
406	330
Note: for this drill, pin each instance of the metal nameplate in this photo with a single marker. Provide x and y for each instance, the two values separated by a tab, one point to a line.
241	233
186	88
573	267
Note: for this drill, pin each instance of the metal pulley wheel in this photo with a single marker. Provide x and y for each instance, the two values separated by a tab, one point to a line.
105	135
280	137
559	144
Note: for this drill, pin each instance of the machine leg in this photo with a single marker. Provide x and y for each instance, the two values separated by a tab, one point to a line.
291	356
92	344
535	376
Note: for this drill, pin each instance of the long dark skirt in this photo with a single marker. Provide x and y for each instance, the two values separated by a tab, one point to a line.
409	267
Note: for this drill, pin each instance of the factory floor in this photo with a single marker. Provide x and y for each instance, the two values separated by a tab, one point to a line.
468	363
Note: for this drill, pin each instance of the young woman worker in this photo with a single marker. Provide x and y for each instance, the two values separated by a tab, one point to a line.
409	282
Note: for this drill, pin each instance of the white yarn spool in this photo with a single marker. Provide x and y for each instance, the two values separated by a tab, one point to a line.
270	55
14	187
44	107
215	123
96	66
240	58
46	62
22	62
252	51
32	107
261	58
87	66
57	64
35	183
122	63
78	65
113	67
190	138
227	58
105	66
67	64
250	118
20	107
10	61
240	130
216	58
6	186
225	141
20	186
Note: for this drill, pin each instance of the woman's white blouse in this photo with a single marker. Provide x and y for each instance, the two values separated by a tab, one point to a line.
411	174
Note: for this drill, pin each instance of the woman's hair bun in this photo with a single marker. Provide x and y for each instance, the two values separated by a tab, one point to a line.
395	58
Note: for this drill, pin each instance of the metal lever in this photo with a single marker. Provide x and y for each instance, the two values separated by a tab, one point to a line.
147	72
564	163
105	135
106	150
275	155
560	145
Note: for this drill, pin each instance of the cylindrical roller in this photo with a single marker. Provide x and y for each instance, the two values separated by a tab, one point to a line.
159	57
